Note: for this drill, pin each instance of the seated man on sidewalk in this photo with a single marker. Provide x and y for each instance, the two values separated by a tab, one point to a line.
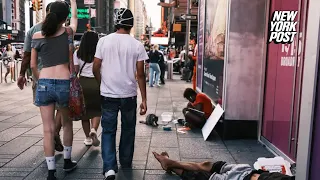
198	110
215	171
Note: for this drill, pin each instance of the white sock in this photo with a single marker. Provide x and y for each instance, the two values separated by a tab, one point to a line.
51	163
67	152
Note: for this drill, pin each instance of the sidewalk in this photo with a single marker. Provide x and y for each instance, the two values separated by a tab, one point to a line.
22	157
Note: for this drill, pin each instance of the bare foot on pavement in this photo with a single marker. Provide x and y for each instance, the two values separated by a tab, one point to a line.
162	160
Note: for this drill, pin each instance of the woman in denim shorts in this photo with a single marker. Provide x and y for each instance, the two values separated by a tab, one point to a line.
54	45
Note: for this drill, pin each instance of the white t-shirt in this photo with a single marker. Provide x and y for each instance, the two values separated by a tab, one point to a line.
119	54
182	53
87	69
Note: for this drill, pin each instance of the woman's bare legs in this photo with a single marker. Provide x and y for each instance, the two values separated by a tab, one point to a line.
86	127
6	75
178	167
12	73
95	122
67	126
93	134
57	139
49	127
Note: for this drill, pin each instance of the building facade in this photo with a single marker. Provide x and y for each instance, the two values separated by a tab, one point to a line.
13	20
141	18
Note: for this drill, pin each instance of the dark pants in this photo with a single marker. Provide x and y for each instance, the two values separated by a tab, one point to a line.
110	108
190	75
163	71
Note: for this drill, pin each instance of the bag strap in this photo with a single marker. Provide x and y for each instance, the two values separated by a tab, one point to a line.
71	49
82	68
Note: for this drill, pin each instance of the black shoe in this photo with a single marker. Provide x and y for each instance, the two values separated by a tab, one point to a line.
69	165
51	175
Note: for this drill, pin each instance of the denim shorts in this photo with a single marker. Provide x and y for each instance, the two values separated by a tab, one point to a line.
52	91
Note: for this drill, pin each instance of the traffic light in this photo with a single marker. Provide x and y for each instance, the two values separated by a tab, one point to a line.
36	5
39	4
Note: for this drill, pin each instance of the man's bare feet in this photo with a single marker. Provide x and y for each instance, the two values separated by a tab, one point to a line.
165	154
162	160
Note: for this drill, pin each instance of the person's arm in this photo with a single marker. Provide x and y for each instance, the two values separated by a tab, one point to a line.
74	15
33	64
26	55
142	80
96	69
76	62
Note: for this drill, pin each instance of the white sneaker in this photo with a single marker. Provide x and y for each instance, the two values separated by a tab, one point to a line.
12	81
94	137
88	141
110	175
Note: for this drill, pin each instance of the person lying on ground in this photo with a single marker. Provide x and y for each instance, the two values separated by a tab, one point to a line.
215	170
198	109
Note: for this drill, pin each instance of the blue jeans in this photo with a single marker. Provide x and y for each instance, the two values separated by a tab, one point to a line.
50	91
109	120
154	68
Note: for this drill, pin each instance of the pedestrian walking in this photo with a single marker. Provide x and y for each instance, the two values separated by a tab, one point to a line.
9	53
162	66
83	61
25	66
154	68
118	57
54	45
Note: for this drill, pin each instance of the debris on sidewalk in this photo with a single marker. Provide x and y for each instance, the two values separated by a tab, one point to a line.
276	164
183	130
167	128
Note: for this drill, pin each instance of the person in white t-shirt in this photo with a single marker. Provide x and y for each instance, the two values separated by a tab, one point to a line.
83	61
118	57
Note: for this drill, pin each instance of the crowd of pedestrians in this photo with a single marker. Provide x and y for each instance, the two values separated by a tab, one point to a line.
107	69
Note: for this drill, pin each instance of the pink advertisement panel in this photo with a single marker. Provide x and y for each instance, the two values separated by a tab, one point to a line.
284	62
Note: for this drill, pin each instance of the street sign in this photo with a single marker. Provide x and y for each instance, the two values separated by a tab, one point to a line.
88	2
189	17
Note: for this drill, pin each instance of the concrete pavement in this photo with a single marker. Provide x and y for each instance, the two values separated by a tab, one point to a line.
21	152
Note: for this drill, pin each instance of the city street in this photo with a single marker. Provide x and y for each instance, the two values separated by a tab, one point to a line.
22	157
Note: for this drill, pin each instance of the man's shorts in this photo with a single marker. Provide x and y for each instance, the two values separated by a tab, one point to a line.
220	171
48	91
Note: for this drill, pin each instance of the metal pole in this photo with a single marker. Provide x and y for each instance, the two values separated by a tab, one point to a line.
188	24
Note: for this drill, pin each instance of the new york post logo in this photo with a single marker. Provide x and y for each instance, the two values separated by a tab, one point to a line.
282	27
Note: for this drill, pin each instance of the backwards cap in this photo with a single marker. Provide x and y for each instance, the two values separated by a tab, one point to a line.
124	17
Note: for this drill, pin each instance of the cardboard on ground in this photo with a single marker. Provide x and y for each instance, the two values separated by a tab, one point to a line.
212	121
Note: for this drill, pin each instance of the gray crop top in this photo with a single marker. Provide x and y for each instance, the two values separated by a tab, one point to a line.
53	50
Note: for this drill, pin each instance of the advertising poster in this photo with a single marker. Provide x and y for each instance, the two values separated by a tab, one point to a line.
201	26
213	61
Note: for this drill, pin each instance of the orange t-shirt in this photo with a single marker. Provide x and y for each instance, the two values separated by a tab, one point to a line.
206	104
